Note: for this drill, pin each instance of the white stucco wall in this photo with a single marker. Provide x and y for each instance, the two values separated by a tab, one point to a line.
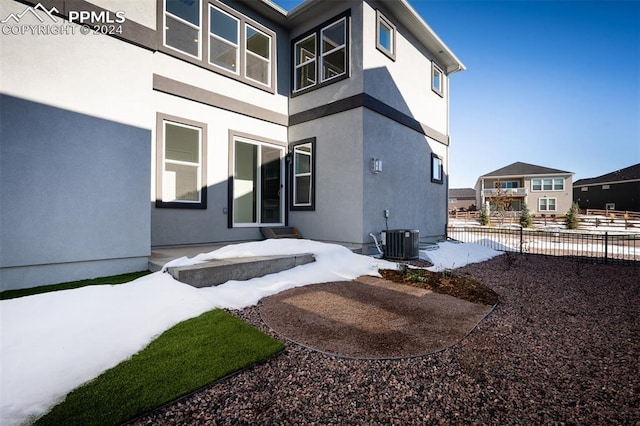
405	83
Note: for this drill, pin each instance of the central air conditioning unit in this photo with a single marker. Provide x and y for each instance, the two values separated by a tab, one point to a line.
401	244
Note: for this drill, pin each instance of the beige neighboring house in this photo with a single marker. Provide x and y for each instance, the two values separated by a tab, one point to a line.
462	199
544	190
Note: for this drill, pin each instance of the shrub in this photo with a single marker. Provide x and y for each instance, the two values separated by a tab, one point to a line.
571	219
525	216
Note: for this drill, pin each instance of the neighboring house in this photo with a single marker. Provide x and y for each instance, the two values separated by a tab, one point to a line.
462	199
544	190
200	121
619	190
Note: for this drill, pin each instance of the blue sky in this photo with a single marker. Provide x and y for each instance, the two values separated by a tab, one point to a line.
552	83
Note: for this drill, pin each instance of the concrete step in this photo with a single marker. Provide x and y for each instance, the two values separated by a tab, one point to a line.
220	271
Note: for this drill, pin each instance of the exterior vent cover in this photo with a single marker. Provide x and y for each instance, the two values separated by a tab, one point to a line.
401	244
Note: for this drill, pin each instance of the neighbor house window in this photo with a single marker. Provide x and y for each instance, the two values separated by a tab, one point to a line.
303	175
234	45
584	189
547	204
605	187
436	168
182	26
547	184
181	167
385	36
437	79
321	57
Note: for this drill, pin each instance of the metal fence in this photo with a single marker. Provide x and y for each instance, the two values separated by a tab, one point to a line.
601	247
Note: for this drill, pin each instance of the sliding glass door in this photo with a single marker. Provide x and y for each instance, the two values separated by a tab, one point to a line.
258	179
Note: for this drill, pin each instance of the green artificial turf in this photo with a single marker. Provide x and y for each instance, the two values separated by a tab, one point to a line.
185	358
115	279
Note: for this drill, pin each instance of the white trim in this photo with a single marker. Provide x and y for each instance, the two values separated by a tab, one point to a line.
555	204
297	175
305	63
224	40
323	54
247	51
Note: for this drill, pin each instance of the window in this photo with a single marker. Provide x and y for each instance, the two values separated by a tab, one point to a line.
508	184
437	79
233	45
605	187
181	175
385	36
305	62
547	204
223	40
610	206
547	184
321	57
436	168
258	55
182	26
584	189
303	175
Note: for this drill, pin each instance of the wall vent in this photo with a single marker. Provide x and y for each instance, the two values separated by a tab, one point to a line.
401	244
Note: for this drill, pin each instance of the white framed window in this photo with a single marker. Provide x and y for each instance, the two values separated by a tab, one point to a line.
584	189
303	175
385	36
508	184
224	40
547	204
333	48
322	55
436	169
181	168
181	23
437	79
305	73
605	187
257	55
233	44
610	206
547	184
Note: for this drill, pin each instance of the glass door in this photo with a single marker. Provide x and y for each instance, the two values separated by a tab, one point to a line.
258	178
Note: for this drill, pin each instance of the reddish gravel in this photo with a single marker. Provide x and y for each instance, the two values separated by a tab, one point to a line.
562	347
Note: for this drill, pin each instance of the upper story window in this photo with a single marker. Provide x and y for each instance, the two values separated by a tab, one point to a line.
385	36
437	79
321	56
232	45
547	184
182	26
224	40
507	184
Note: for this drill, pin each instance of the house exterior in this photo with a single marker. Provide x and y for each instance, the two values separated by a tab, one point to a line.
618	190
462	199
544	190
128	125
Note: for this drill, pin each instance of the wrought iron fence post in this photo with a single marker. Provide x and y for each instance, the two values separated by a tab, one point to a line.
606	246
521	240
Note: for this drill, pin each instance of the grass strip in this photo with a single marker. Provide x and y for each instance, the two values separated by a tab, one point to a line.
114	279
183	359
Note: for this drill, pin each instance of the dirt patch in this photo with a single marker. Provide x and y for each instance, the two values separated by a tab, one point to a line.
371	318
463	287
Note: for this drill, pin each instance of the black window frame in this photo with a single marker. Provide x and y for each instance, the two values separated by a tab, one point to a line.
440	178
292	146
346	15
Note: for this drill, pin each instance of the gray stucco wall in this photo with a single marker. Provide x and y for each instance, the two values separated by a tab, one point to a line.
339	171
404	186
74	195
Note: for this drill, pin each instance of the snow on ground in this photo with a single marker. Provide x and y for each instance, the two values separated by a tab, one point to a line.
52	343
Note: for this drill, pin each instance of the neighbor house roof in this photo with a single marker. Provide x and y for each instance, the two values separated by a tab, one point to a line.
401	10
627	174
462	193
524	169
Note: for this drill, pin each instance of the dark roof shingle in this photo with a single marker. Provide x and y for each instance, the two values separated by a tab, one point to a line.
628	173
524	169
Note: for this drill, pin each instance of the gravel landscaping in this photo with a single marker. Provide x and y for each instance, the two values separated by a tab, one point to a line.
561	347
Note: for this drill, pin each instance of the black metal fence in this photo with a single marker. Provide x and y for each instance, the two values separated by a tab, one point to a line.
606	247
